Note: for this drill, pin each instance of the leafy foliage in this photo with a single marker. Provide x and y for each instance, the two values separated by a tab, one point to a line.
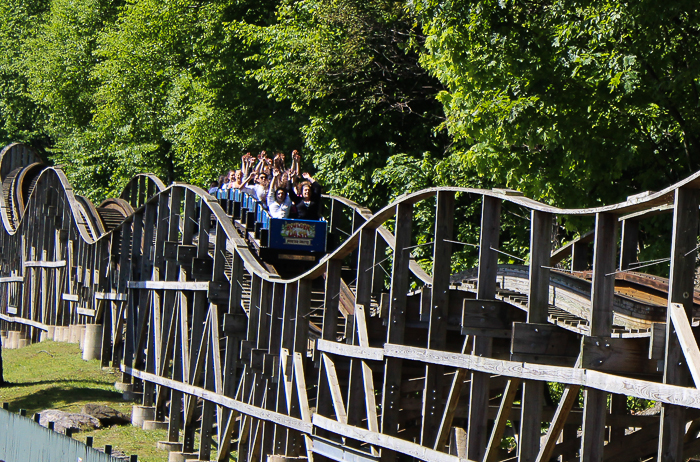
351	69
560	96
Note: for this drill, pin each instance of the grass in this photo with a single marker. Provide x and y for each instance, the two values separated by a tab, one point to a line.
52	375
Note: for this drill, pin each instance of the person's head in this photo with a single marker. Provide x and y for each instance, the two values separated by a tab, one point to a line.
214	184
262	179
306	191
222	180
230	175
280	195
238	176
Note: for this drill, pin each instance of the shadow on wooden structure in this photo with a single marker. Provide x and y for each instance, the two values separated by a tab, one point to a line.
365	356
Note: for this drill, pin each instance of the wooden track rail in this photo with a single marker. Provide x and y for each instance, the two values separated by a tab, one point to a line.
366	356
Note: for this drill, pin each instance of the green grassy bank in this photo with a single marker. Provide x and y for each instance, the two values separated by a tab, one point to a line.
53	375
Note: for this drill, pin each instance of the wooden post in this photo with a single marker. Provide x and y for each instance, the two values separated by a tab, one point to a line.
356	391
683	255
602	292
439	302
629	242
396	324
486	289
579	256
538	304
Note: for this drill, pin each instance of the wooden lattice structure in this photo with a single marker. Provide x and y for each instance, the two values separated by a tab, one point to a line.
366	356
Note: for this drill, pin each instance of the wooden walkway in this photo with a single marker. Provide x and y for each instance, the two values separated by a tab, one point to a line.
366	356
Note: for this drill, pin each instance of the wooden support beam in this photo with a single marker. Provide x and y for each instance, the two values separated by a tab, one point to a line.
538	304
628	246
334	386
439	307
567	401
384	441
452	400
396	323
486	288
602	292
683	257
686	339
501	420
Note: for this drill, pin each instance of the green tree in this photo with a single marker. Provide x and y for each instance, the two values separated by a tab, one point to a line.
558	96
20	118
169	93
350	68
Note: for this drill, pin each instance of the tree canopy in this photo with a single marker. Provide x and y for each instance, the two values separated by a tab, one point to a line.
575	103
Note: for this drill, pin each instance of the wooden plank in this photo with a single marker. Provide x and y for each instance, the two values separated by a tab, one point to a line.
681	274
671	394
239	406
657	340
538	304
170	285
334	385
486	288
331	299
452	400
44	264
370	399
26	322
501	420
361	324
70	297
439	308
628	246
616	355
602	293
350	351
485	314
117	297
85	312
10	279
300	382
356	399
687	340
543	339
567	401
384	441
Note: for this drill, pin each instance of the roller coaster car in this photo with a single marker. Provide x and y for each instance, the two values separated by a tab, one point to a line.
283	242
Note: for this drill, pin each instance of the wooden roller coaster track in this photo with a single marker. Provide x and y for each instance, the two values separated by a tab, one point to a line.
366	356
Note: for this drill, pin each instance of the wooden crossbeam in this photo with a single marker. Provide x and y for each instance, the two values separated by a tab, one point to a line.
567	401
671	394
499	424
686	338
336	394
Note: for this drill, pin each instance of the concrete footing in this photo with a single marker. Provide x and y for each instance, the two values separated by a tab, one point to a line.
23	340
47	334
92	345
74	333
154	425
169	446
140	414
65	334
12	339
81	336
58	333
182	456
3	337
123	387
